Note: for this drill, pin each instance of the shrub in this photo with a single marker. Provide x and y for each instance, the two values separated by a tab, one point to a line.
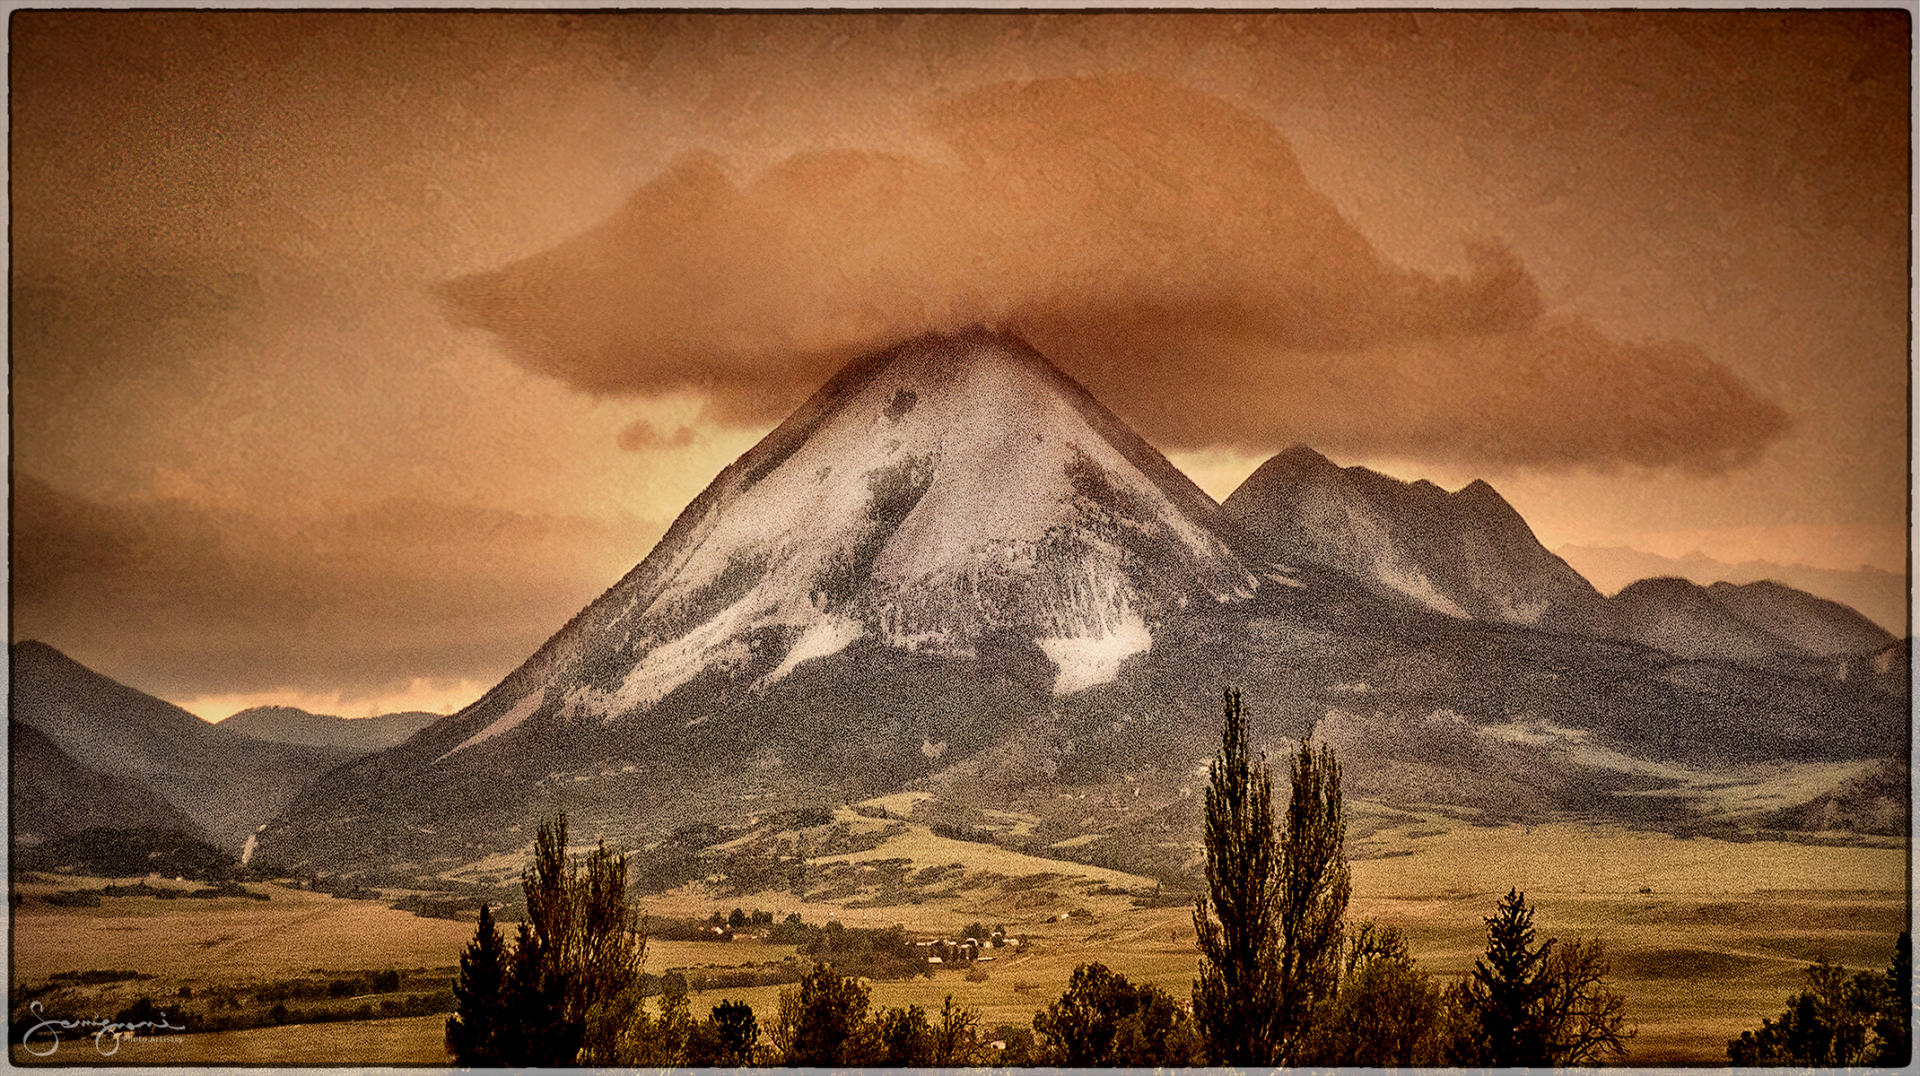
823	1022
1105	1021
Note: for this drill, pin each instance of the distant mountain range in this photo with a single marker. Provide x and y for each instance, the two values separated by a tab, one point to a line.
1756	622
1879	595
954	572
90	752
1468	554
289	724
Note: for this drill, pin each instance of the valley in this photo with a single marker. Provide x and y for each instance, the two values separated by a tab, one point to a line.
1705	936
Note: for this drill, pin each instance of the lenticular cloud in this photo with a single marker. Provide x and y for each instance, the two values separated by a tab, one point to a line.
1162	245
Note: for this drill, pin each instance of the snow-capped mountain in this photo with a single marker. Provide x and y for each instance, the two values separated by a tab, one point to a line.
1466	554
948	491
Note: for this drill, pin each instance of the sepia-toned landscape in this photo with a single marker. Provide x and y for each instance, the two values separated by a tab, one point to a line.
1002	539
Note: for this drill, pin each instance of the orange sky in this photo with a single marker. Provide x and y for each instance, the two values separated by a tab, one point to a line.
351	353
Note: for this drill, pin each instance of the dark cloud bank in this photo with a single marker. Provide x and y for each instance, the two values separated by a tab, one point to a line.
1160	244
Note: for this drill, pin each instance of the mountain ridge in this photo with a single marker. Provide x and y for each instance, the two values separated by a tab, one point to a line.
53	794
1470	553
292	725
1466	554
1878	594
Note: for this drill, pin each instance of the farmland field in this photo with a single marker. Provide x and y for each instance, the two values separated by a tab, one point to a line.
1705	936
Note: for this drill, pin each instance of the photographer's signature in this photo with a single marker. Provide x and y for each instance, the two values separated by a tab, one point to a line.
43	1038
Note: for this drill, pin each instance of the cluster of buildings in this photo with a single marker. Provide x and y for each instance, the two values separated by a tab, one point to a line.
969	950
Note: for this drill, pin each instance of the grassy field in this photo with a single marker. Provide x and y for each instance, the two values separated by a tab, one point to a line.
1706	936
190	942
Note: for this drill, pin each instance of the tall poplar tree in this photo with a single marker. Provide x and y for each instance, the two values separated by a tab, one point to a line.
1237	998
1313	890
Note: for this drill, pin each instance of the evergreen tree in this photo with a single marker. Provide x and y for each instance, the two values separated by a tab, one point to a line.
903	1038
1536	1005
480	1012
1504	992
734	1032
1313	892
1235	921
1894	1028
533	1038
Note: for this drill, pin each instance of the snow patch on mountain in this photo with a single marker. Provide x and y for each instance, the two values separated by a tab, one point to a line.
505	722
667	666
827	636
1084	661
1414	584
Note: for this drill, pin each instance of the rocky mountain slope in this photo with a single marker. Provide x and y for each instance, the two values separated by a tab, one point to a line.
1465	554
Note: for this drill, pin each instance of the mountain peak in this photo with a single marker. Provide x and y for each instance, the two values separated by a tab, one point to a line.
1480	490
959	354
1480	497
1303	457
1670	586
949	490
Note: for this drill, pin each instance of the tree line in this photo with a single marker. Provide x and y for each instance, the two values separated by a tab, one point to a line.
1840	1020
1285	979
